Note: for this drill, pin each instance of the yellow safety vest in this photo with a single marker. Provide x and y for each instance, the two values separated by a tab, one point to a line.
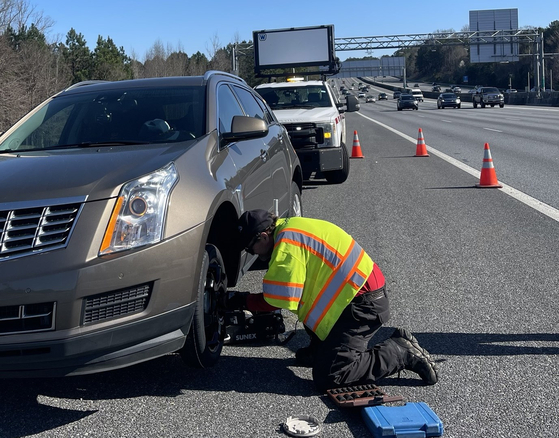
315	270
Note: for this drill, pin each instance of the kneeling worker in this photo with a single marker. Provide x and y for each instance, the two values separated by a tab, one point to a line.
320	273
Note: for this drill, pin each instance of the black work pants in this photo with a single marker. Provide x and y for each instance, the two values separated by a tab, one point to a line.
344	358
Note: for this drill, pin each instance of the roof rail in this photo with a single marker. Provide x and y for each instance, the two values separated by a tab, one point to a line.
210	73
83	83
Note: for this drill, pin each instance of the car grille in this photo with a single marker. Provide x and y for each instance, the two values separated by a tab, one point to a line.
27	318
116	304
304	135
28	231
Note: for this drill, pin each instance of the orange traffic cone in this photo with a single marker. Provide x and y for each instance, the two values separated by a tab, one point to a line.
421	150
356	150
488	177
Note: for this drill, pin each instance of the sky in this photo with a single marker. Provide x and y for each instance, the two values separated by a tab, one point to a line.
192	26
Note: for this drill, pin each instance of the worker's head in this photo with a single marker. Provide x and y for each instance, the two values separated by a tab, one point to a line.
256	229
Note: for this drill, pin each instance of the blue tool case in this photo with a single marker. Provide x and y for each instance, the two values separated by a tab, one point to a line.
413	420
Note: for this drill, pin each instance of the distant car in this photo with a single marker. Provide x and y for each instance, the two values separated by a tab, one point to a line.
382	96
472	91
456	89
361	94
436	88
396	94
407	101
511	90
488	96
448	100
417	93
370	99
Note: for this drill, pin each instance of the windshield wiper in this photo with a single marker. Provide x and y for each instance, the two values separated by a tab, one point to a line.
87	144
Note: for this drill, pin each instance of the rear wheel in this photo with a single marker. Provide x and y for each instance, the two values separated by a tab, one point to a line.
205	340
501	105
339	176
296	206
475	104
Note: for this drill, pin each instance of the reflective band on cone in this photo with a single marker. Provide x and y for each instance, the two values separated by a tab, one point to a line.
421	150
356	149
488	177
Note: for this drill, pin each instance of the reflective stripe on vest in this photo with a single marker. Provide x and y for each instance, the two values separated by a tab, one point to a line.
344	275
335	284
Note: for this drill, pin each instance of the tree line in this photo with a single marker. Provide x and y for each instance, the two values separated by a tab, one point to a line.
32	68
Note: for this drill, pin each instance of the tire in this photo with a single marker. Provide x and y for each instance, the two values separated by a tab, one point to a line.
296	205
482	105
205	340
339	176
492	105
458	106
475	104
501	105
399	109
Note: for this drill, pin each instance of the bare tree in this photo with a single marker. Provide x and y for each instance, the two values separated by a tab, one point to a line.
19	13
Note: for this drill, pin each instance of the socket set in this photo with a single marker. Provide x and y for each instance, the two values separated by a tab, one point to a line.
361	395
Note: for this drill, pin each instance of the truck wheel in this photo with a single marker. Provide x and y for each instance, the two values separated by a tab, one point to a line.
339	176
475	104
296	206
205	340
501	105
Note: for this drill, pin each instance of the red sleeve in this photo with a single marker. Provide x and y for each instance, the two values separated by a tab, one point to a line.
375	280
256	303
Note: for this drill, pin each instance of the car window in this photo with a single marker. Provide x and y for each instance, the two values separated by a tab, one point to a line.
228	107
249	103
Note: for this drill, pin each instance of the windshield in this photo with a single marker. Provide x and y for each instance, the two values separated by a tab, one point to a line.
112	117
309	96
490	90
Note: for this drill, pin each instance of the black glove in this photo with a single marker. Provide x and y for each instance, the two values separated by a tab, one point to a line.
237	301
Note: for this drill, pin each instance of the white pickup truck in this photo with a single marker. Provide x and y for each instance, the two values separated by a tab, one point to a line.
314	119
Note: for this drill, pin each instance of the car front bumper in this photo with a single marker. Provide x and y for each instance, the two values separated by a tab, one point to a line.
106	313
320	159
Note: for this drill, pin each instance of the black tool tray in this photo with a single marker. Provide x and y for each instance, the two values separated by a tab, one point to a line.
361	395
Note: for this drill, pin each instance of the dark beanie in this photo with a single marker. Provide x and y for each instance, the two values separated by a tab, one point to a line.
251	223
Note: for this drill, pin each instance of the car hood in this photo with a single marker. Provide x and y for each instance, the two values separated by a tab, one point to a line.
93	173
305	114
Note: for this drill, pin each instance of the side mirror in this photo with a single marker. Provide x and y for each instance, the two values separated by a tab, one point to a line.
244	128
352	104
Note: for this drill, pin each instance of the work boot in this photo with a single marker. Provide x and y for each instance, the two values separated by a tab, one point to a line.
416	358
304	357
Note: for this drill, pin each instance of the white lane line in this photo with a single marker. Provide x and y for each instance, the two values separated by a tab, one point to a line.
534	203
446	121
494	130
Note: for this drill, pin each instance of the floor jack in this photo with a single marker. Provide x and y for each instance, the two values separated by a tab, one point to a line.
245	327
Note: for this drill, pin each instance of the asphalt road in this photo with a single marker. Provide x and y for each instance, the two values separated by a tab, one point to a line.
472	272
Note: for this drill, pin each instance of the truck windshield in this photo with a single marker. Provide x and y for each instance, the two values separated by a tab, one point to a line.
296	97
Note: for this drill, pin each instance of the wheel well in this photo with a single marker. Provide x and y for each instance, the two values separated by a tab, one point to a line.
222	230
298	178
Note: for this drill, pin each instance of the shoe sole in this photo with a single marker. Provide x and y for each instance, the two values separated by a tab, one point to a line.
408	336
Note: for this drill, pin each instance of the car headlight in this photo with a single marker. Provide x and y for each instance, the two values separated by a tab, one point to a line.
329	130
139	215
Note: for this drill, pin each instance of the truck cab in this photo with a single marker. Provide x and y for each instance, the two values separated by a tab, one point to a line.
315	121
